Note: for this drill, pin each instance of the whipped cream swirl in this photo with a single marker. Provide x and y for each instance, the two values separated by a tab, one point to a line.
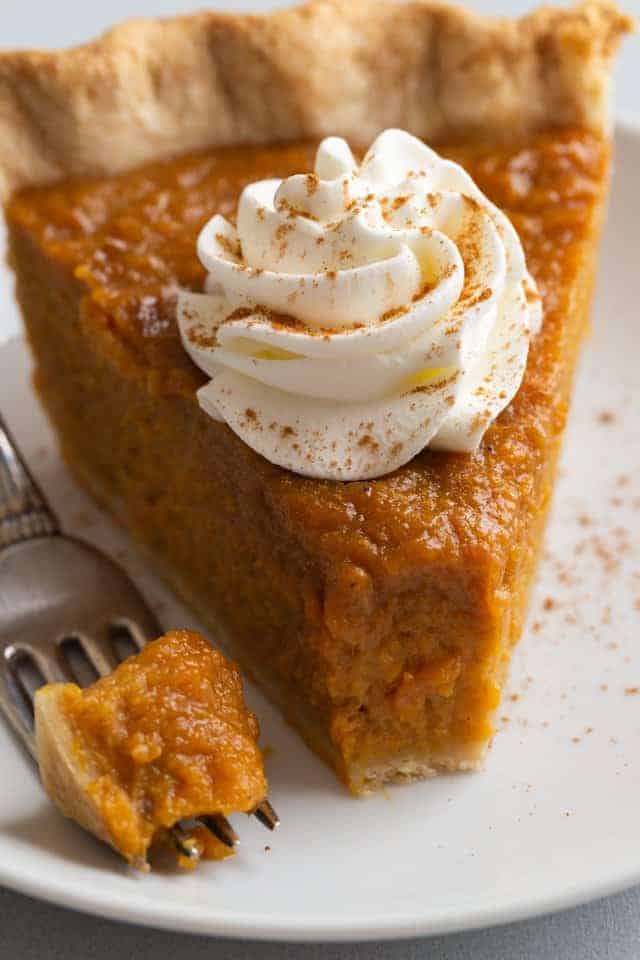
358	314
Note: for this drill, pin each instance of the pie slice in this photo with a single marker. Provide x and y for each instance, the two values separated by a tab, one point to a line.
164	738
379	615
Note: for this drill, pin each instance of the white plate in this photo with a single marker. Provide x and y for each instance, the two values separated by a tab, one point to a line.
553	821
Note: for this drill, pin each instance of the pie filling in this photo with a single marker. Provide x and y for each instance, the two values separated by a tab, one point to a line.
378	614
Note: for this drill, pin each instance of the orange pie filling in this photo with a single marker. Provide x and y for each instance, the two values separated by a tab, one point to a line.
378	614
166	737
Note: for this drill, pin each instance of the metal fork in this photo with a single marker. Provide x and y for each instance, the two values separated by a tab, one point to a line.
61	600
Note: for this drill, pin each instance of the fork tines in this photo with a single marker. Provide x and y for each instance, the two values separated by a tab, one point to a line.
267	816
222	829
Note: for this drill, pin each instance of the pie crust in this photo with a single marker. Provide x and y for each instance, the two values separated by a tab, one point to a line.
149	89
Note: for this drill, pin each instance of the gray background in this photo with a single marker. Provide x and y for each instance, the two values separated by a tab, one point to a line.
29	929
607	929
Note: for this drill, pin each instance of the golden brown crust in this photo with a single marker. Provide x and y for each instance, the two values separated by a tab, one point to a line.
64	779
153	88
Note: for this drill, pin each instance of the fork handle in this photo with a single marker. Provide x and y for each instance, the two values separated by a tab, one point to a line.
24	512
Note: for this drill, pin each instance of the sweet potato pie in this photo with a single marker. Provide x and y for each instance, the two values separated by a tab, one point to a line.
379	615
165	738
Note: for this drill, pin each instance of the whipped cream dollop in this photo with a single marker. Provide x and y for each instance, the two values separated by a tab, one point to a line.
359	313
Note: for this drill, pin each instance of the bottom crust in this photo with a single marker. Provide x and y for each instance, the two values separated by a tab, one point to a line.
64	779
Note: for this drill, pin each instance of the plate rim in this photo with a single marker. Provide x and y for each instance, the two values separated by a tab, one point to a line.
359	930
73	894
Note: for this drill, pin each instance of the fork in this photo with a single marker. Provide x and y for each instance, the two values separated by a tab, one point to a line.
67	612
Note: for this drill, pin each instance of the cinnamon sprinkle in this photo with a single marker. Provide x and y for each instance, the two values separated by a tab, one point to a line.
229	246
200	337
277	320
606	417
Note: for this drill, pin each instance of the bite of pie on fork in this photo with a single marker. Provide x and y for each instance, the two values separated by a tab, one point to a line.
160	746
